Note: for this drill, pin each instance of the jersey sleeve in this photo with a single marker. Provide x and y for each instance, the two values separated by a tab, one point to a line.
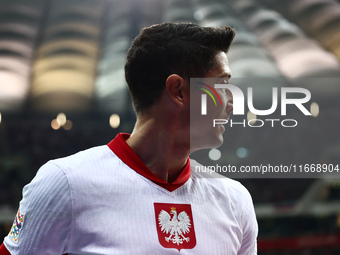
249	226
44	219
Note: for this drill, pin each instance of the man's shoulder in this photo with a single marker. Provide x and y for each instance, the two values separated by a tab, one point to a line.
85	158
217	181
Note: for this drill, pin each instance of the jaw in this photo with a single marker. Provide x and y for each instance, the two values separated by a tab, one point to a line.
212	138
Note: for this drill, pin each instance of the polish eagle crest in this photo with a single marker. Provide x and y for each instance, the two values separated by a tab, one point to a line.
176	226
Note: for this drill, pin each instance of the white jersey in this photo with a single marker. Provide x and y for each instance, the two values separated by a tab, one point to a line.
104	200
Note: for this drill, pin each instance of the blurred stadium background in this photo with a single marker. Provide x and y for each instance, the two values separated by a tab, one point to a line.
62	89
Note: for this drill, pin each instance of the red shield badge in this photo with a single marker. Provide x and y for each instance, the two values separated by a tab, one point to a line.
175	226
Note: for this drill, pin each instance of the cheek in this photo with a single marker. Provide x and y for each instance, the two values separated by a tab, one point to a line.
224	100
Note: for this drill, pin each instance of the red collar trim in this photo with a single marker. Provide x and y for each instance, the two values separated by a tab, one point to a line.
129	157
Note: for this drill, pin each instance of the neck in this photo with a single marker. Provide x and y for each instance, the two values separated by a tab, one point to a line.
162	148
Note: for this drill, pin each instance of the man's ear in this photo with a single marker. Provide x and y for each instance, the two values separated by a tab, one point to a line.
176	88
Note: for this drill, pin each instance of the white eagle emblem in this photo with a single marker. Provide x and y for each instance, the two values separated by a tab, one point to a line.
177	226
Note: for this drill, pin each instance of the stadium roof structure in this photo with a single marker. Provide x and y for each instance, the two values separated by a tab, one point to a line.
69	55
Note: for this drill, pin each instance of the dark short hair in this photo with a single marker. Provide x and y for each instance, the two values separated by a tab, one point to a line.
160	50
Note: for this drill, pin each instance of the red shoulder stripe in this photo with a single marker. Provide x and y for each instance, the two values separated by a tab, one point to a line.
3	250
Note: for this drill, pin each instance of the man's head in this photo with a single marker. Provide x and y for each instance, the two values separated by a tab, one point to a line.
171	48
